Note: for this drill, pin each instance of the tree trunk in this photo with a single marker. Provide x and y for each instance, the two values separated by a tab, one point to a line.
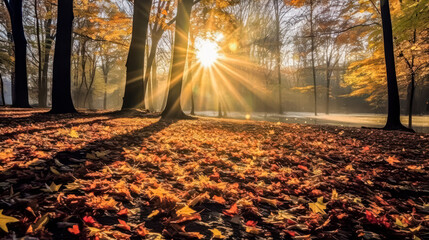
61	81
154	79
43	91
312	56
20	87
2	90
411	103
393	116
328	86
41	98
278	53
150	60
105	91
219	108
173	107
191	56
134	88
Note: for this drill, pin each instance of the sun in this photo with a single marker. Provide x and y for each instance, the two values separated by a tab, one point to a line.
207	52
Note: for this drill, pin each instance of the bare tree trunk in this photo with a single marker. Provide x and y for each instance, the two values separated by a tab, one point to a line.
312	56
20	87
328	86
43	91
41	97
411	103
278	53
2	90
394	113
105	91
191	56
61	81
173	107
134	88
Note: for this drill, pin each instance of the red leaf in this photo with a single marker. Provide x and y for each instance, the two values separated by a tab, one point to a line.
89	220
370	217
74	230
251	223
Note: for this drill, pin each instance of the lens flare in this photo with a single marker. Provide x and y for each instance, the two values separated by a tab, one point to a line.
207	52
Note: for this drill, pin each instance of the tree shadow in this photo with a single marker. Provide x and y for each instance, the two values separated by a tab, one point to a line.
27	184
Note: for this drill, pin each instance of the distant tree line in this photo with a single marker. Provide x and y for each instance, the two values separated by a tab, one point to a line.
285	47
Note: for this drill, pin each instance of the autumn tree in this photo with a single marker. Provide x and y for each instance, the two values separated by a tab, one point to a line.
135	89
173	108
61	81
160	21
20	89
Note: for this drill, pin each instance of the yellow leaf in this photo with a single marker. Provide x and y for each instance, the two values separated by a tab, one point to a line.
54	171
334	194
93	231
217	234
416	229
349	168
416	238
52	188
41	222
73	134
318	207
400	223
186	211
5	220
153	213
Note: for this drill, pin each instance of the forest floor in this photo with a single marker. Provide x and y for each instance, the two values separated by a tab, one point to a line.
110	176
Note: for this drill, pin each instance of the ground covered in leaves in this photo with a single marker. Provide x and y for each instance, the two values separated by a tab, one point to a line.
110	176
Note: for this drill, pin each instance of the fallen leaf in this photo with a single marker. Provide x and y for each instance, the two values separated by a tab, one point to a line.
153	213
124	225
5	220
74	230
185	211
217	234
318	207
232	211
392	160
219	200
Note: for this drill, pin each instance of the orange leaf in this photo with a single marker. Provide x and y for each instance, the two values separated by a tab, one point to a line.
304	168
74	230
123	211
142	231
232	211
392	160
124	225
219	200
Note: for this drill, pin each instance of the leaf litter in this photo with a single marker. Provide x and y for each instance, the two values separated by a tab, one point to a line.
101	176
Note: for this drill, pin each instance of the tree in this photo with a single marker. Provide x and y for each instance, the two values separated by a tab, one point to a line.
278	52
61	81
45	35
158	26
173	108
20	89
134	88
394	111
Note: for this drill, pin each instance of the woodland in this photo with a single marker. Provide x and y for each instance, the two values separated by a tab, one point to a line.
108	127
